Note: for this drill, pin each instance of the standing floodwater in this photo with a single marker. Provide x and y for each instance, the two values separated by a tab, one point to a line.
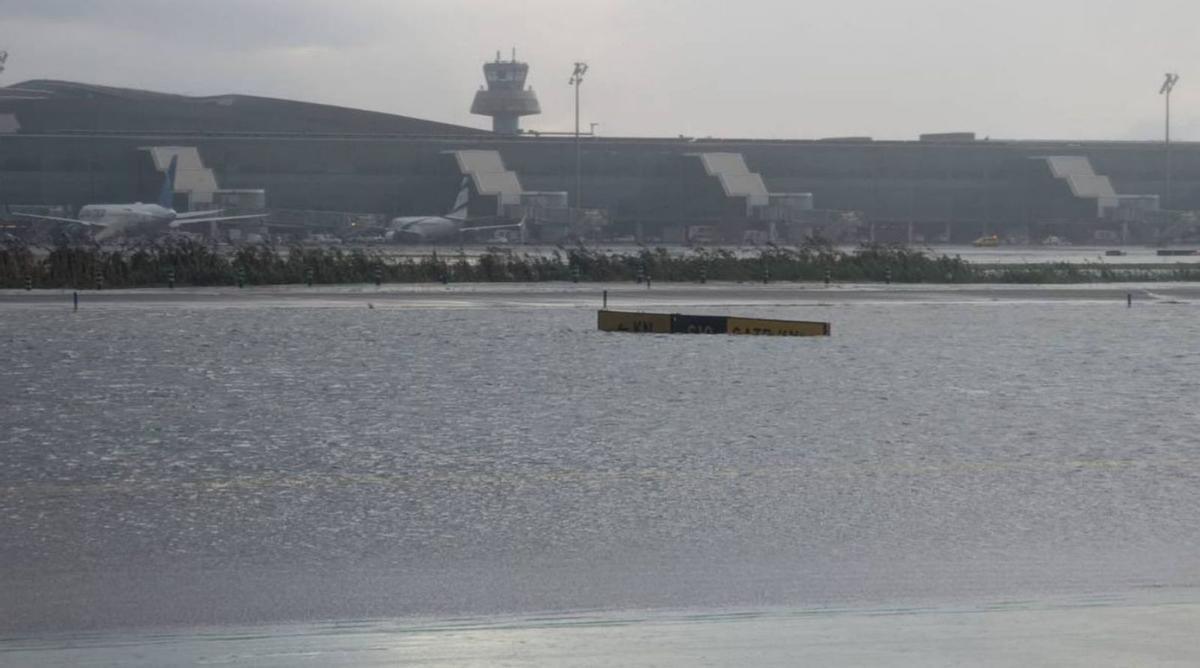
234	463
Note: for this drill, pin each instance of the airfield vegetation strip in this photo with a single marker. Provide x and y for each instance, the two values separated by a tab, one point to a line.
191	263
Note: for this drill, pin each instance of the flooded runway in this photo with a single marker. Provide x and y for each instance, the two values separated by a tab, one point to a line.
224	459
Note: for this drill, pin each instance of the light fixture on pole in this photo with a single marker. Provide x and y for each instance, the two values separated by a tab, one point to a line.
581	68
1167	87
3	59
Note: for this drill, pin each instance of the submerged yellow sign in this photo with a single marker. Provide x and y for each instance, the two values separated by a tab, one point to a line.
663	323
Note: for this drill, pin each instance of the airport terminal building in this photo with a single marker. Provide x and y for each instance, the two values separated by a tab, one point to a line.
68	144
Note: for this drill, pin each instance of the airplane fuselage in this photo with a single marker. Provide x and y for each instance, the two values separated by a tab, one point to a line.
126	219
424	229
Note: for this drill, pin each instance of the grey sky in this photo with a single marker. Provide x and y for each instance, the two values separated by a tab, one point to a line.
745	68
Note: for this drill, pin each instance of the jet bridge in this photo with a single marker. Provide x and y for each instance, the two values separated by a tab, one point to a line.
736	178
191	175
490	180
763	211
1089	207
1083	180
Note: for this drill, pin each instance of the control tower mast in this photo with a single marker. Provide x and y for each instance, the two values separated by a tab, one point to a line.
506	99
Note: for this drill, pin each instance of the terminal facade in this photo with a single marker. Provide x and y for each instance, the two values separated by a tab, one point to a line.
66	145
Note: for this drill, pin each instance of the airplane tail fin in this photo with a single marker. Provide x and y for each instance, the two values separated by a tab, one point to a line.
166	197
459	212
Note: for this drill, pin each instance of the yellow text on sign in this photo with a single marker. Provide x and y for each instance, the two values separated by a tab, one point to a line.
755	326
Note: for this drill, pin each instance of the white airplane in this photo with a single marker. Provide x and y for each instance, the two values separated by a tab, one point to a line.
428	229
115	220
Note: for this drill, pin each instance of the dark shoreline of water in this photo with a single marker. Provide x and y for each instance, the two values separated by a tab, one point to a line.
567	295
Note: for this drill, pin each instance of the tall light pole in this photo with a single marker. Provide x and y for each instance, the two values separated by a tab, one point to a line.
1167	87
3	60
581	68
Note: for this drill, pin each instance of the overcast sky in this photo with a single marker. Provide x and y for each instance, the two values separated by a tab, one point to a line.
1086	69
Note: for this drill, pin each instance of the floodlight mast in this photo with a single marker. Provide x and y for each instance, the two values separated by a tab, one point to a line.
3	60
581	68
1168	86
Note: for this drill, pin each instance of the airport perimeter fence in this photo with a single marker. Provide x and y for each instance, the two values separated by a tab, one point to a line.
189	263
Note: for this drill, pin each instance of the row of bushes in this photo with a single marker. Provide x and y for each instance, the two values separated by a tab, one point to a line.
192	263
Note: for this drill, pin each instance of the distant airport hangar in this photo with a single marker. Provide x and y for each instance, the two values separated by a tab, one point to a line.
69	144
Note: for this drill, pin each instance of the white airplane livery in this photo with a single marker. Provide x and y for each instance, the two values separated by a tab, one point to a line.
427	229
117	220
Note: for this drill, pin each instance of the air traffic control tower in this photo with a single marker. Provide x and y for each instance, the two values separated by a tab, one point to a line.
506	99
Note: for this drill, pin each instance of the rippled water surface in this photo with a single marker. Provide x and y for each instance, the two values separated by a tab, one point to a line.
244	464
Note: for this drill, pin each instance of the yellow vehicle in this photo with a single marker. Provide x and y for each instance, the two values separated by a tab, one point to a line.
987	242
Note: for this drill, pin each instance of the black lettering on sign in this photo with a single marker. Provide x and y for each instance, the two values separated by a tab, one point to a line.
699	324
616	321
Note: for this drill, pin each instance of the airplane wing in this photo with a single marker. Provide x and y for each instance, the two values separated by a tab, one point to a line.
188	215
494	227
59	219
218	219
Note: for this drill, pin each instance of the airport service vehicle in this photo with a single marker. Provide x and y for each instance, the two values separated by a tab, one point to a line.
426	229
118	220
